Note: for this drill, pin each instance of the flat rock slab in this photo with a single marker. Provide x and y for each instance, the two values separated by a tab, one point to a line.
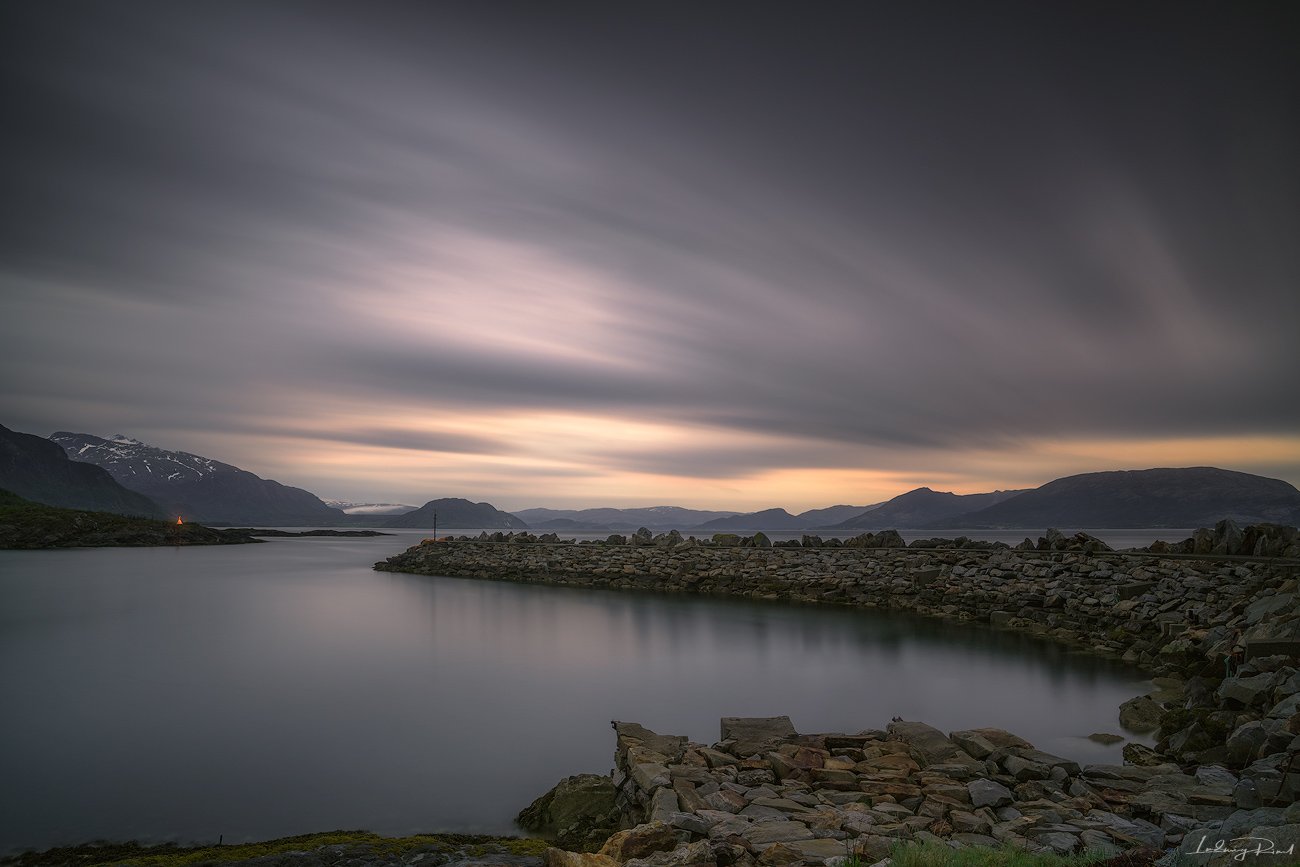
752	733
929	745
818	850
671	746
776	832
1273	637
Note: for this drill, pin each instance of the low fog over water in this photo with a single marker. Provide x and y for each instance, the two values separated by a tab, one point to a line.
264	690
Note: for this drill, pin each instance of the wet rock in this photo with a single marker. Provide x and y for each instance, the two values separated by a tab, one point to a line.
1140	714
1141	755
580	812
1105	738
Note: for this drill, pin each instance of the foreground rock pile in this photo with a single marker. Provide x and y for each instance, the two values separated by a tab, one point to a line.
765	795
1223	635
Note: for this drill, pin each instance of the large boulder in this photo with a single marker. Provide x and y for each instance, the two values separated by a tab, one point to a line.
999	738
1140	714
989	793
579	813
1246	691
1245	741
640	842
1273	637
889	539
928	745
1267	606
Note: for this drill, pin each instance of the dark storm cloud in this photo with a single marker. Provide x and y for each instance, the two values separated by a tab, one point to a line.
923	227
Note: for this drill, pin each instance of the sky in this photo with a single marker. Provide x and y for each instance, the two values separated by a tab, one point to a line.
719	255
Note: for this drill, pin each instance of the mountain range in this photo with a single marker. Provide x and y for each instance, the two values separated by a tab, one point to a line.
123	475
779	520
1164	497
36	469
194	487
652	517
920	508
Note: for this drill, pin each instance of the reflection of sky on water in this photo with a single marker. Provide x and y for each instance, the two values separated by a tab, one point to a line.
283	688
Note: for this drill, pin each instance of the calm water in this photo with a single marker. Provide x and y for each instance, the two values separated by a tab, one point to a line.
258	691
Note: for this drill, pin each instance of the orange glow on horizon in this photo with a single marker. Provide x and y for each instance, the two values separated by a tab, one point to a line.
574	460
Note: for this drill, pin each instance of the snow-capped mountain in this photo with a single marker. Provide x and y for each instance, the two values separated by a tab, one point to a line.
129	458
196	487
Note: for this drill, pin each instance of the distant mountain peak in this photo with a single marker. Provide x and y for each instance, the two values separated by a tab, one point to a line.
920	507
1158	497
194	486
459	514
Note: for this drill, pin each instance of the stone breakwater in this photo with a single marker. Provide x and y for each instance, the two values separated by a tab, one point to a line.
765	795
1222	719
1166	614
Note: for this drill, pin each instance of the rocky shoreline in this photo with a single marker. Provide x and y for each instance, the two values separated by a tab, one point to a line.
766	795
47	527
1228	728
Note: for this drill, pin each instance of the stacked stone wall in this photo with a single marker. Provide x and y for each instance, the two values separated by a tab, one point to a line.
1150	610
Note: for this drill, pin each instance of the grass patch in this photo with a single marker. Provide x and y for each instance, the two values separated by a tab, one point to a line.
362	843
938	855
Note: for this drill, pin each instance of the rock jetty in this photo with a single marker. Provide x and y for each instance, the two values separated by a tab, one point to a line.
1219	629
766	795
1173	615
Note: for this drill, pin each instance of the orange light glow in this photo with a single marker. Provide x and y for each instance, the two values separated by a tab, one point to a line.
179	521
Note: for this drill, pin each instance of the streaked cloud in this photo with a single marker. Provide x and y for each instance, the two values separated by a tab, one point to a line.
422	251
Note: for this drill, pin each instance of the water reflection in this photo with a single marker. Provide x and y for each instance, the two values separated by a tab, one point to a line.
285	688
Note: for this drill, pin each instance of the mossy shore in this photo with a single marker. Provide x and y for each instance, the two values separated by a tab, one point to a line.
28	525
306	850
